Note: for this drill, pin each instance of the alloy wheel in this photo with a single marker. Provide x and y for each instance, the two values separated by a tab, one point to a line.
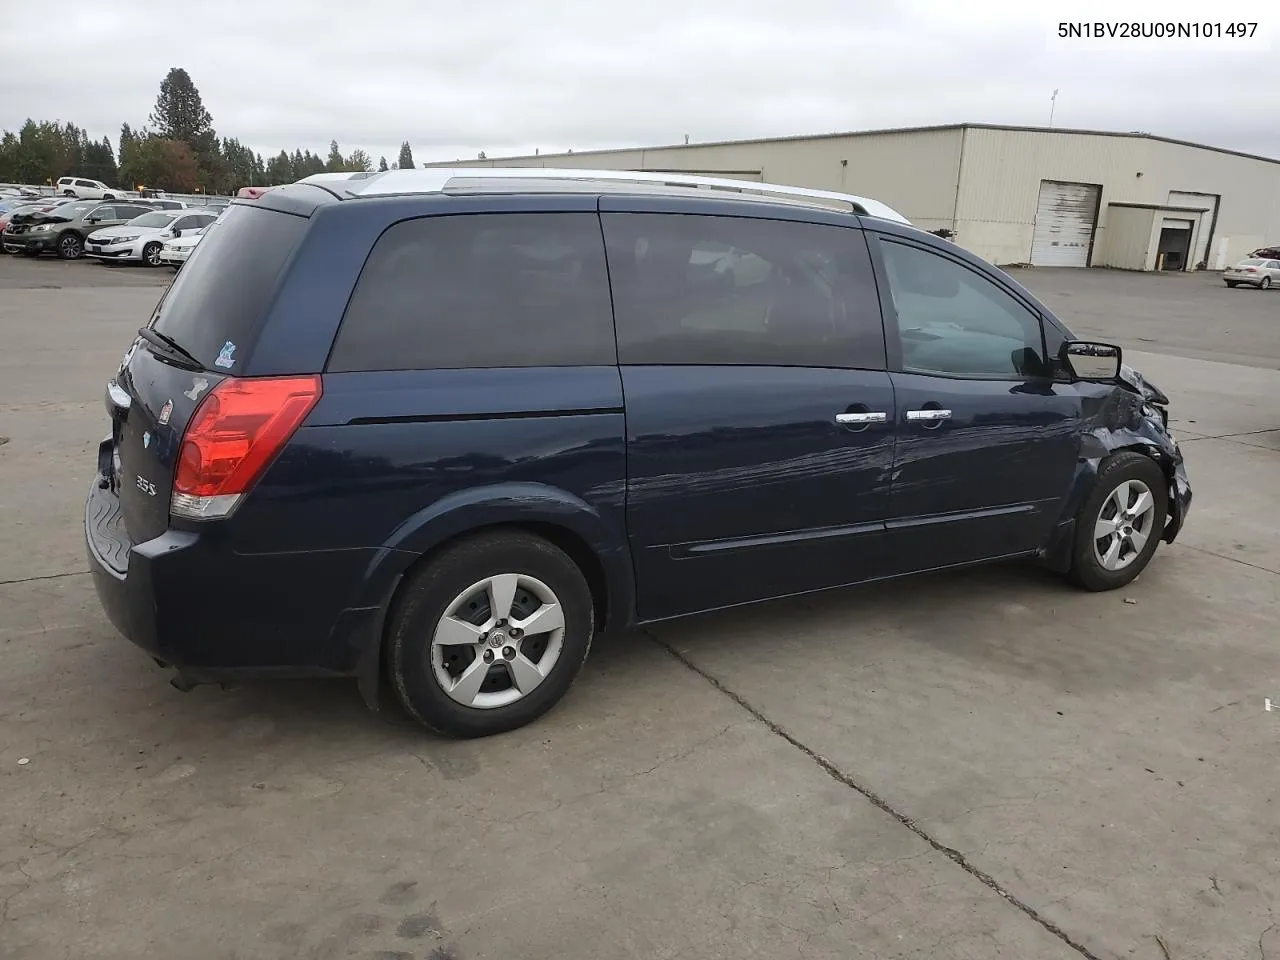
70	248
1124	525
497	641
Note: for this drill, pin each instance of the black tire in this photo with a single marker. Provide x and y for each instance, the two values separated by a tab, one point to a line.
1086	570
1264	283
423	600
68	193
31	253
151	255
1232	283
70	246
108	196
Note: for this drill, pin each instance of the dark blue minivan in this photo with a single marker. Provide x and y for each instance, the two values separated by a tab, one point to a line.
435	430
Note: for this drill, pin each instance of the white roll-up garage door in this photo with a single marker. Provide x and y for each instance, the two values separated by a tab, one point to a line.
1066	214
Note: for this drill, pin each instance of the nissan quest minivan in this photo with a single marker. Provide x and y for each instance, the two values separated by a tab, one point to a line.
435	429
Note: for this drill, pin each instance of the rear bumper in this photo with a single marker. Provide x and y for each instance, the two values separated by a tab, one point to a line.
191	600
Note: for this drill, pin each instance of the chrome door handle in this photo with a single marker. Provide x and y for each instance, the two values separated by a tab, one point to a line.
858	419
929	416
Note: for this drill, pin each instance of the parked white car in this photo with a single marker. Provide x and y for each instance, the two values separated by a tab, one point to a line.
142	238
176	251
84	189
1254	272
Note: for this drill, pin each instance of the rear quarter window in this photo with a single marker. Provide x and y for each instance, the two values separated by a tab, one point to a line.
224	291
481	290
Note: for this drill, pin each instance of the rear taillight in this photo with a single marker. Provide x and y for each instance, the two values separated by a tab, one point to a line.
1249	270
233	436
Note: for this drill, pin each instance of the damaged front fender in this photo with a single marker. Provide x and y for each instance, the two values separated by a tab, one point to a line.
1128	416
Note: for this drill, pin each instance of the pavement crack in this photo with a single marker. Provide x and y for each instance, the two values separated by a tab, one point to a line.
829	767
47	576
1224	556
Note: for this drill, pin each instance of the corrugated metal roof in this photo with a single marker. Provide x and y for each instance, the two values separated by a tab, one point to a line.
890	130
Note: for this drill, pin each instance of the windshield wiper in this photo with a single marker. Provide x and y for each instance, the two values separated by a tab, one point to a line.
179	354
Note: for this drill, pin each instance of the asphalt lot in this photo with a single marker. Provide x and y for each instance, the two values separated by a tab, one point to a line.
983	764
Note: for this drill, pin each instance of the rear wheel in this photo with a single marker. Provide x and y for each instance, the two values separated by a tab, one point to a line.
70	247
1265	283
151	254
1232	283
1119	526
489	635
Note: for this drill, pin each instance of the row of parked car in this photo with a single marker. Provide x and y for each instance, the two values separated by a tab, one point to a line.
154	231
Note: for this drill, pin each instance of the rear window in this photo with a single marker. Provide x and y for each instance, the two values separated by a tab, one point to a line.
481	290
222	294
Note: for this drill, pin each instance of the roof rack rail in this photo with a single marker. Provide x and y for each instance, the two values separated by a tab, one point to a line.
460	179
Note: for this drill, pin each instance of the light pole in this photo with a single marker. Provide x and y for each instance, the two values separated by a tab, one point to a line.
1053	102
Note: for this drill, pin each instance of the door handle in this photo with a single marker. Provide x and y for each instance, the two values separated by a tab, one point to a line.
930	415
861	419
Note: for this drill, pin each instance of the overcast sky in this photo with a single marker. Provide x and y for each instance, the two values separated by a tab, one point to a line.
506	76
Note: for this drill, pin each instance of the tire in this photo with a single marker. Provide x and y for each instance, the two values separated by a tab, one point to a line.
1139	474
1264	283
68	193
151	255
1232	283
31	253
485	699
108	196
70	247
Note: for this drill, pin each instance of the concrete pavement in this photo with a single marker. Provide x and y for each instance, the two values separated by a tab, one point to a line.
983	764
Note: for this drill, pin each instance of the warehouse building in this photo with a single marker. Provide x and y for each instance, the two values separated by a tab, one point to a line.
1013	195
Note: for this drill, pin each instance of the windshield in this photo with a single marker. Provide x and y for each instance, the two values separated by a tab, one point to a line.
153	220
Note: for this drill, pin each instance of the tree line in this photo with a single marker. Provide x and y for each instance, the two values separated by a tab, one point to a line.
179	151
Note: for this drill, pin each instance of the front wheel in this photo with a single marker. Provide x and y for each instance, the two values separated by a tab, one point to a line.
151	254
70	247
108	196
1120	525
490	634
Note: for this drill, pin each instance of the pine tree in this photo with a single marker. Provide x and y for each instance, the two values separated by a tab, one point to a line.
336	162
179	113
359	161
405	161
382	165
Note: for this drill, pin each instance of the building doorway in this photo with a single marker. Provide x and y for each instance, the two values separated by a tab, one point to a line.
1174	250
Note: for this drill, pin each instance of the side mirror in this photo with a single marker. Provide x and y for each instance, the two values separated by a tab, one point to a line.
92	219
1091	361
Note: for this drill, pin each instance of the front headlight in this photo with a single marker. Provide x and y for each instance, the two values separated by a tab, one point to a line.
42	228
121	239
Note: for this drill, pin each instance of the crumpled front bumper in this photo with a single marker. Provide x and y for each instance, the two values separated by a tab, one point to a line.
1179	501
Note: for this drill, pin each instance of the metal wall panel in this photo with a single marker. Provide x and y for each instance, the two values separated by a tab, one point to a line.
916	173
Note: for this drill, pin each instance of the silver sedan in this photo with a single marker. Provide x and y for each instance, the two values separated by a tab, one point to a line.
1253	273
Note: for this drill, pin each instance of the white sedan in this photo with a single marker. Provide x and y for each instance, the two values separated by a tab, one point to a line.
176	251
142	238
1253	272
